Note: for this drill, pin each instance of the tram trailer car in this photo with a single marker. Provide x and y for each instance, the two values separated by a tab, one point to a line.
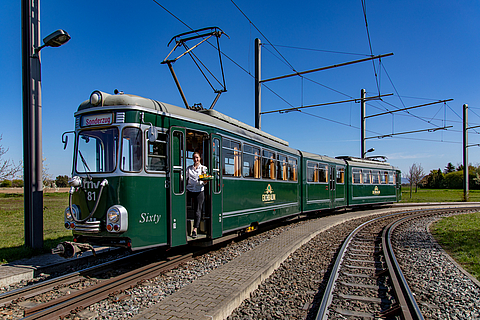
129	164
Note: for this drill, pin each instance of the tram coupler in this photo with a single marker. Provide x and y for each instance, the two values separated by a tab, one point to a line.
69	249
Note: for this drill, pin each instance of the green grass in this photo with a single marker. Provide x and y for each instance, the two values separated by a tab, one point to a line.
12	234
438	195
460	236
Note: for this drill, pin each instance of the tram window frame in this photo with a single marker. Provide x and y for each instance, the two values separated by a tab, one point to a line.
216	158
323	173
251	162
282	167
320	172
138	152
383	177
312	171
232	155
269	164
100	158
292	169
153	152
375	177
367	176
340	176
357	176
391	175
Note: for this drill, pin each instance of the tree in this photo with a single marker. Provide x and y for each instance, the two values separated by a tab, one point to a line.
8	168
449	168
414	176
434	180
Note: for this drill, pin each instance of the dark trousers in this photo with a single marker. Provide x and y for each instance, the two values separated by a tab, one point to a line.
198	199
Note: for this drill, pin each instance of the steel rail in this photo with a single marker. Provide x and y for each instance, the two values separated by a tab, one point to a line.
322	313
405	301
79	300
47	285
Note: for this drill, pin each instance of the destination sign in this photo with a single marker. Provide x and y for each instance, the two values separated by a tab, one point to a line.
97	120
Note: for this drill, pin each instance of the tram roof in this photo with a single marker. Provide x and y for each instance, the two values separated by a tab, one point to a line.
210	116
365	162
313	156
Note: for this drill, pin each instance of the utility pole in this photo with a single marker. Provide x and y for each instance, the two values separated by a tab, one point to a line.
465	153
363	122
258	85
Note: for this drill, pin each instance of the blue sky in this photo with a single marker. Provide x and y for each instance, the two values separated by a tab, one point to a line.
119	45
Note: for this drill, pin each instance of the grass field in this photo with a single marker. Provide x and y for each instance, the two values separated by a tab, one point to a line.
438	195
12	228
460	237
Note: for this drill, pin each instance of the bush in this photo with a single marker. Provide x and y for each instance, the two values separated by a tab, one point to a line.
61	181
454	180
6	184
17	183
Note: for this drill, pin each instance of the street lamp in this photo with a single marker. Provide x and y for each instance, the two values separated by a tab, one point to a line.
55	39
32	118
369	150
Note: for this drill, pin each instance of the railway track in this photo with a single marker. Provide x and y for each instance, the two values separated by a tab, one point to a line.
105	285
366	280
81	299
103	288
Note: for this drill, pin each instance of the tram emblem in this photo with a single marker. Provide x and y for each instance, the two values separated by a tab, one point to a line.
376	191
268	195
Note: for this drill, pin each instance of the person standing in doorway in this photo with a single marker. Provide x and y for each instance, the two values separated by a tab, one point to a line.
195	188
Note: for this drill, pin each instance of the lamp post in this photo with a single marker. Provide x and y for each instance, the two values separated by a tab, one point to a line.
32	118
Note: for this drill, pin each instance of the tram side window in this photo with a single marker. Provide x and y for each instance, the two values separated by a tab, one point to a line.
282	167
131	159
317	172
384	177
375	177
357	176
251	162
340	175
268	165
231	158
157	154
367	177
323	173
312	172
292	169
391	178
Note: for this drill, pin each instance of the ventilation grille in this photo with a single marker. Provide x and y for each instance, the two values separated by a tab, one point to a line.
120	118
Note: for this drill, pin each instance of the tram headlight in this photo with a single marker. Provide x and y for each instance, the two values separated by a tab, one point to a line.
117	219
96	98
68	214
113	214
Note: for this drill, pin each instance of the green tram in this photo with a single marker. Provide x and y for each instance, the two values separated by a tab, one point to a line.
130	159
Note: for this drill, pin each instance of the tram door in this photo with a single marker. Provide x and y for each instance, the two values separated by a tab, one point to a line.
216	187
333	187
177	205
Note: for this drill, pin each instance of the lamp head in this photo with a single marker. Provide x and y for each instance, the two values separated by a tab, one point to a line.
56	39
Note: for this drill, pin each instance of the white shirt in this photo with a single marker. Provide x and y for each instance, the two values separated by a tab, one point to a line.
193	184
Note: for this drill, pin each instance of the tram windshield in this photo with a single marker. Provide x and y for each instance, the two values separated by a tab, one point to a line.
97	150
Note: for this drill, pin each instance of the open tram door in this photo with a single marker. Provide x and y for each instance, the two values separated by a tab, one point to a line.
177	221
